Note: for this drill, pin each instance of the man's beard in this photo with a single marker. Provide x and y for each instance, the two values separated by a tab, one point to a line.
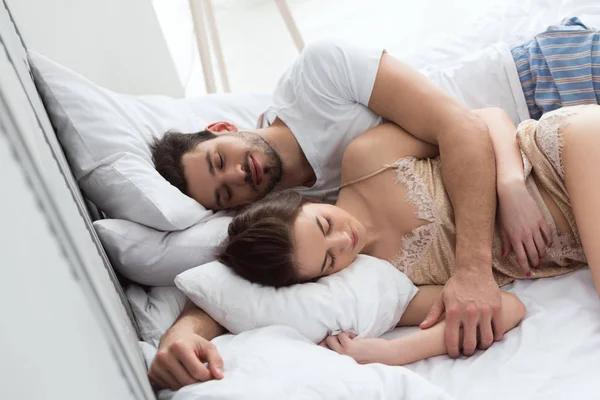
274	167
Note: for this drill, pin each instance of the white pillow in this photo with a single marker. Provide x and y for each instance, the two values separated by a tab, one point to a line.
155	309
106	137
153	257
367	298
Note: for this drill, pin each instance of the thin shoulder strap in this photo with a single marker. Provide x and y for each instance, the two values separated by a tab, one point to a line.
365	177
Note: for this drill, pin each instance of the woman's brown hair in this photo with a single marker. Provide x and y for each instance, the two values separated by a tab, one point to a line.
259	246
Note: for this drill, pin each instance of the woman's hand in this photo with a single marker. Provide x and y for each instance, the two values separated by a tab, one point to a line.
364	351
523	226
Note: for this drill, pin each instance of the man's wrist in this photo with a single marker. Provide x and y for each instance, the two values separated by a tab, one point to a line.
476	262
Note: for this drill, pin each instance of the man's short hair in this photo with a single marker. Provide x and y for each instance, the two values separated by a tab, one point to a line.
168	151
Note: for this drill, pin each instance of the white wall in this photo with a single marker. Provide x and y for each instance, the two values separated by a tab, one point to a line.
116	43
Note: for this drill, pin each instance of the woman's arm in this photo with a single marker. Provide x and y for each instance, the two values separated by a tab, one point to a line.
419	345
431	342
524	228
509	165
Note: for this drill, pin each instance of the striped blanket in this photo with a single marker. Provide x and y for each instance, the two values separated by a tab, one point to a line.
560	67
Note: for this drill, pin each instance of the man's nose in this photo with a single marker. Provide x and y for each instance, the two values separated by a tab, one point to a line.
234	176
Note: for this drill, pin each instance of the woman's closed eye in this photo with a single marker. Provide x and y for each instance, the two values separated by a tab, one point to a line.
332	264
329	225
221	161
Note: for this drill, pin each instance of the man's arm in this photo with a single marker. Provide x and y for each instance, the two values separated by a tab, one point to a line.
184	349
471	297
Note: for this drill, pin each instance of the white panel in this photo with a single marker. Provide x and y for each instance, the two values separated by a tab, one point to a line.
52	344
116	43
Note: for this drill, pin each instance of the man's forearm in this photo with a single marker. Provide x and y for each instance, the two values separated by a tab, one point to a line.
195	319
469	174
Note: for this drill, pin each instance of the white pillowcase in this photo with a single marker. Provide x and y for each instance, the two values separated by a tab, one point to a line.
367	298
106	137
153	257
155	309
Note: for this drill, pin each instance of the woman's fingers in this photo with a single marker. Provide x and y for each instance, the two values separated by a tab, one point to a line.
519	250
540	244
333	342
532	251
547	232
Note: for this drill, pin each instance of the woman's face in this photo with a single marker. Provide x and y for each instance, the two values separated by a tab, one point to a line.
326	240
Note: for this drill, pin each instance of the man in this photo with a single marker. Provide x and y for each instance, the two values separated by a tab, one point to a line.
333	93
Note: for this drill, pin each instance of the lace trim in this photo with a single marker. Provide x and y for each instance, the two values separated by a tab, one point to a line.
416	190
549	138
415	244
564	250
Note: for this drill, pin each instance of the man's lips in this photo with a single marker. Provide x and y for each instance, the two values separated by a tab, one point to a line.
257	171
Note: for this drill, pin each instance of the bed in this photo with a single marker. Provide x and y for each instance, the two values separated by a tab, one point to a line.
554	353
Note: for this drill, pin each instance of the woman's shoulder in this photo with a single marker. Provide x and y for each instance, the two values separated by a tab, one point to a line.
382	145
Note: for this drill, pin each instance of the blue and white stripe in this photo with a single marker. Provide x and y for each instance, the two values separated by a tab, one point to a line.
560	67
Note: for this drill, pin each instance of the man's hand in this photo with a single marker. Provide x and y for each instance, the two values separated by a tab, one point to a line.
523	226
180	359
471	300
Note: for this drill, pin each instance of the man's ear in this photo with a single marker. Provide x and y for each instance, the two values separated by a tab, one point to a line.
221	127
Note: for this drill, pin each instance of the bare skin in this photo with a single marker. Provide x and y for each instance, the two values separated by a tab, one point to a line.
581	165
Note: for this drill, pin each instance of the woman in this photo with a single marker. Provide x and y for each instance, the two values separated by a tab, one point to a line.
400	212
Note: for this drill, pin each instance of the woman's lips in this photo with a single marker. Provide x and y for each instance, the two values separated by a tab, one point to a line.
354	238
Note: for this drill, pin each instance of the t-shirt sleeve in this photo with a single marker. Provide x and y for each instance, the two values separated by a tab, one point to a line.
333	72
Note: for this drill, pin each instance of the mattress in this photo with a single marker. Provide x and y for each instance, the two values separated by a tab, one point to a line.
553	354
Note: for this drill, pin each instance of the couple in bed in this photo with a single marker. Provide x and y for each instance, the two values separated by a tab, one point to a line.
335	120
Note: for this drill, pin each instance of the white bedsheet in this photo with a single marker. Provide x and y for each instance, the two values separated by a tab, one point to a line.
553	354
276	363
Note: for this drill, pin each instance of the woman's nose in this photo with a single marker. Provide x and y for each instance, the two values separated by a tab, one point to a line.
342	241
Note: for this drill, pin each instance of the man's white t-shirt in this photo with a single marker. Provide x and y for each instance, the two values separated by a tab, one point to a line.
323	99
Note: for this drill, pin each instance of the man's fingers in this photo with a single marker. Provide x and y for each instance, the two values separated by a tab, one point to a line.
470	331
497	323
522	258
452	331
177	372
434	314
168	381
194	366
157	381
486	332
215	362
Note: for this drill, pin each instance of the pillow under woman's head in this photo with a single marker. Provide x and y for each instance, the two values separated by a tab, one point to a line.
284	239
